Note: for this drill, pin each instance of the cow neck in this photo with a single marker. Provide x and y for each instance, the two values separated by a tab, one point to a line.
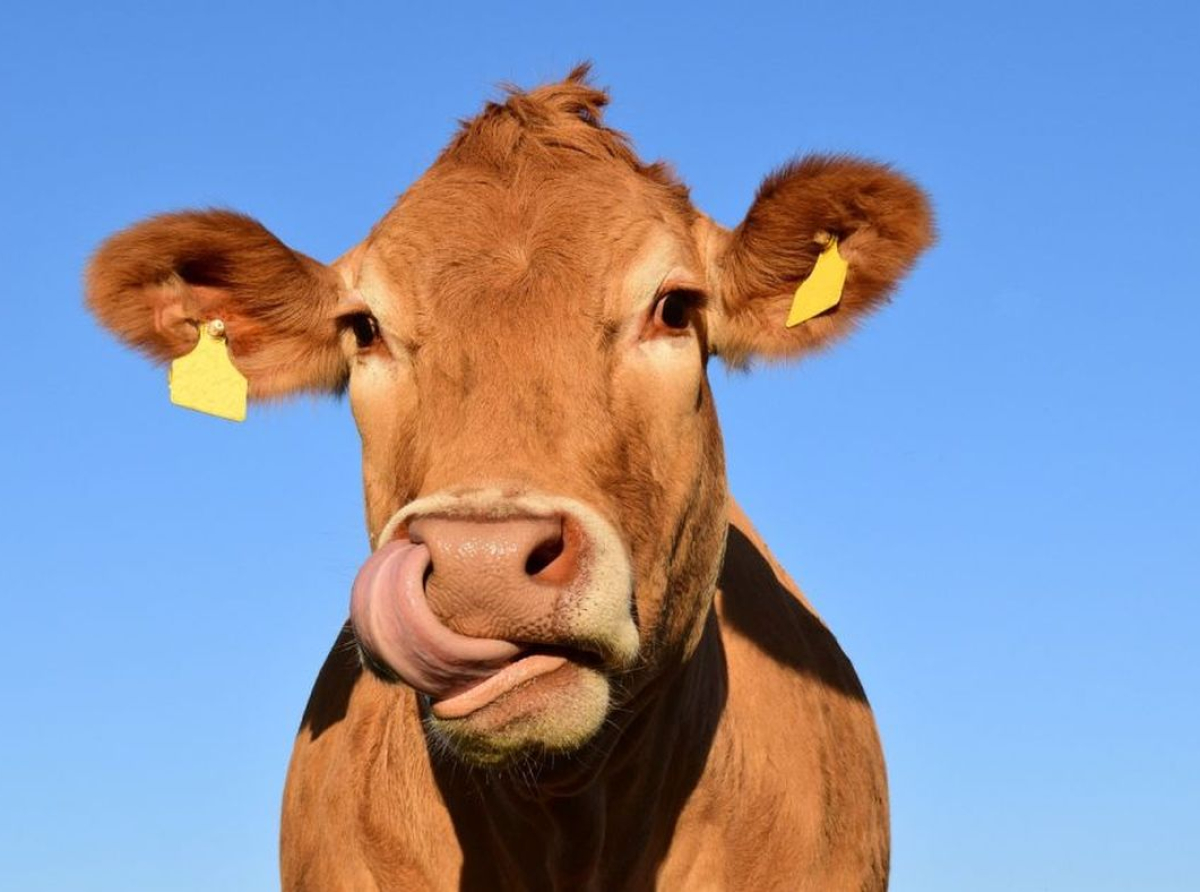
624	802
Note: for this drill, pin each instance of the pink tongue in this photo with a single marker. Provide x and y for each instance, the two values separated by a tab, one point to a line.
394	622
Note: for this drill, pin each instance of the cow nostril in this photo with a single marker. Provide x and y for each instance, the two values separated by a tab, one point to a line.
544	554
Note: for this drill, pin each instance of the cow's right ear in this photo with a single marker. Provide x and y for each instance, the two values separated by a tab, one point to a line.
154	284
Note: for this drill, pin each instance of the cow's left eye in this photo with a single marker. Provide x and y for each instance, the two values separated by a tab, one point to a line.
674	310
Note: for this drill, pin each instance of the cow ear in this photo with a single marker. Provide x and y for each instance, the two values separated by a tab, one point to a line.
882	222
154	284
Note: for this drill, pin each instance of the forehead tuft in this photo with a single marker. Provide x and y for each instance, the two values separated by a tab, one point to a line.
552	127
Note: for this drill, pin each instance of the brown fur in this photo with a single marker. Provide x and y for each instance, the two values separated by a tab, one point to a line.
154	282
514	285
882	222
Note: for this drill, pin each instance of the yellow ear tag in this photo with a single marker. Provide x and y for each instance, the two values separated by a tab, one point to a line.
206	379
822	289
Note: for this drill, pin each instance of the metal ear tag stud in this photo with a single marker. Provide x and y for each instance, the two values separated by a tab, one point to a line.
822	290
206	379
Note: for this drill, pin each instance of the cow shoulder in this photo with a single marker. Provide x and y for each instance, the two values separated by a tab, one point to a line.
805	753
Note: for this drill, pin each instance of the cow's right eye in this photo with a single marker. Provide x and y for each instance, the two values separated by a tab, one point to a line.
365	329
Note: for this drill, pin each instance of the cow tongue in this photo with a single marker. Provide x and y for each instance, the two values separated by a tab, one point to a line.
393	620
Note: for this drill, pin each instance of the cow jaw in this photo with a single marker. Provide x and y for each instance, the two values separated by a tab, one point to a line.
507	666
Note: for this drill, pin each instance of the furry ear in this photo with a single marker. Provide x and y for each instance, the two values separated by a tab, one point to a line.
882	222
154	283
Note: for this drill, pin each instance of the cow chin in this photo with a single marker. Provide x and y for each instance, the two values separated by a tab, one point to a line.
557	713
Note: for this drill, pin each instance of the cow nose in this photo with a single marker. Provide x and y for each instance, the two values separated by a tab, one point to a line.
498	577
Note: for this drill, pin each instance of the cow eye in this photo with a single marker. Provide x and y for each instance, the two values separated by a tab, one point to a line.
365	329
674	310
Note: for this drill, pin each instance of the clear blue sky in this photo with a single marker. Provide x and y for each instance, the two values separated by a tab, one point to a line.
991	493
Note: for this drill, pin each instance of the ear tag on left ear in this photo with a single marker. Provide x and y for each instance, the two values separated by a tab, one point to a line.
822	290
206	379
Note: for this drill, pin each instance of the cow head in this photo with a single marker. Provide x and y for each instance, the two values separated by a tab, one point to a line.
524	339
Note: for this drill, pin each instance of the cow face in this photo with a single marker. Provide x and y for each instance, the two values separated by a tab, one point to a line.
524	340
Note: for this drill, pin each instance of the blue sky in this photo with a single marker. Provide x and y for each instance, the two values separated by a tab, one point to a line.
990	493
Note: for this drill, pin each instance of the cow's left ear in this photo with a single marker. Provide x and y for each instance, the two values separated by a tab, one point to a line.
882	222
153	285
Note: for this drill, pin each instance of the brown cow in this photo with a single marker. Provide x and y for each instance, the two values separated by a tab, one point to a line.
571	663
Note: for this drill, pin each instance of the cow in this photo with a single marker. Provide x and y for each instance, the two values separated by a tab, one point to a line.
570	662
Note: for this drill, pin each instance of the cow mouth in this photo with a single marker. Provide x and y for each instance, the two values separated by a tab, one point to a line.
401	639
521	672
534	661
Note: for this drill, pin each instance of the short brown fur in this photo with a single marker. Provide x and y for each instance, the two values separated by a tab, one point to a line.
515	287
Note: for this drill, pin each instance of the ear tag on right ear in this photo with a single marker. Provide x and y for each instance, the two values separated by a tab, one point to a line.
206	379
822	290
